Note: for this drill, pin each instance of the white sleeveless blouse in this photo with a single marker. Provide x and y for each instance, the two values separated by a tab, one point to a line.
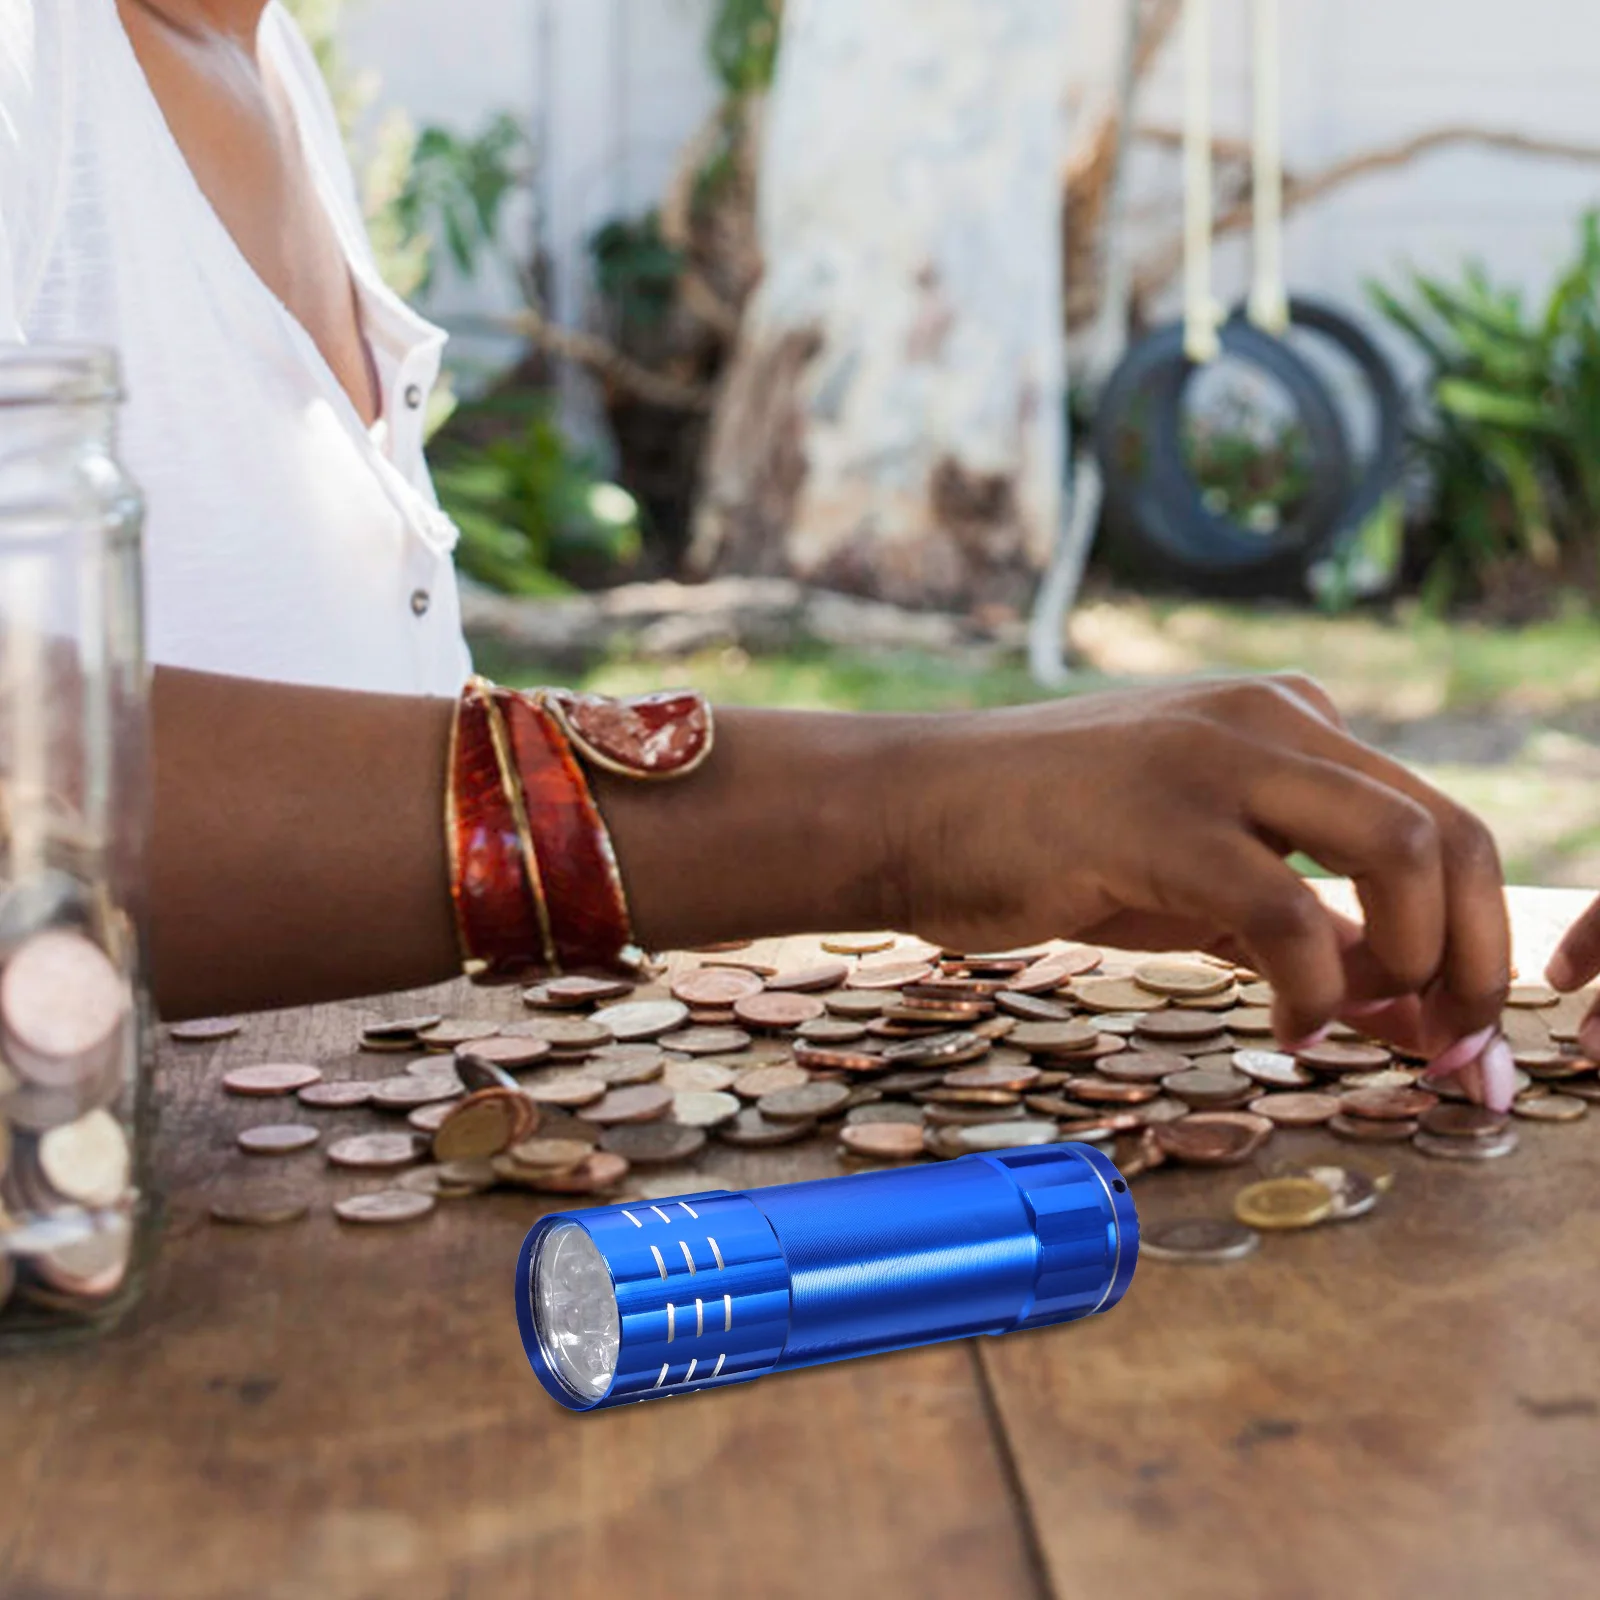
284	540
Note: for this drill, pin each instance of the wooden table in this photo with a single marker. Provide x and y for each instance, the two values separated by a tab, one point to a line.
1405	1406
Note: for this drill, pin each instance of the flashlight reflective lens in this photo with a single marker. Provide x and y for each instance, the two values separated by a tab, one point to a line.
575	1311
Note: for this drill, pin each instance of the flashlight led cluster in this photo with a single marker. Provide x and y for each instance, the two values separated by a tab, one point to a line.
639	1301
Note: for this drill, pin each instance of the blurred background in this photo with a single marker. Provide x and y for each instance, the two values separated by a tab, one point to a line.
794	344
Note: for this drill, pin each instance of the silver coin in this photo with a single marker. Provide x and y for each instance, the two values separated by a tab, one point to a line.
1549	1107
1273	1067
1489	1149
1199	1239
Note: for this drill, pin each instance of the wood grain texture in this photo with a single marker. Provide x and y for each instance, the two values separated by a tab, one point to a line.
1404	1405
322	1413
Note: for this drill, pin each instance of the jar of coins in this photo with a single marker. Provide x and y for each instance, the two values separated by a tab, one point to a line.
72	814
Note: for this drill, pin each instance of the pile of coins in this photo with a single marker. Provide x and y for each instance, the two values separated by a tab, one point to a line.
68	1038
897	1051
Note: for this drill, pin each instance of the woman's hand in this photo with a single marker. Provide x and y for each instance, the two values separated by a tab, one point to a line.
1161	818
1575	963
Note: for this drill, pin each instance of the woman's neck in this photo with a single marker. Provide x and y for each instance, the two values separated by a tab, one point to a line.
237	20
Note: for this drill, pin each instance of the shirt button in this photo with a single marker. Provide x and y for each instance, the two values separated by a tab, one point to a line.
420	601
413	396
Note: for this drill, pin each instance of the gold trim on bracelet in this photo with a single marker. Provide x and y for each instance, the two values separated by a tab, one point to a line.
452	842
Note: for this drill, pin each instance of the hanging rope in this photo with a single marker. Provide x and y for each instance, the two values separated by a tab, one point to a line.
1269	300
1201	314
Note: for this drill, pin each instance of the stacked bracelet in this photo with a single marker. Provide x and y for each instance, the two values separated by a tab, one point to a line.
534	881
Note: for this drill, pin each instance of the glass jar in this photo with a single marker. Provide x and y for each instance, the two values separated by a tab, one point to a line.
73	1100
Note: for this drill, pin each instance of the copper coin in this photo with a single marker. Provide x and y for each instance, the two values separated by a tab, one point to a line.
1370	1129
1387	1105
576	990
1178	1027
277	1138
1032	1008
1115	994
561	1033
943	1014
770	1010
271	1078
512	1054
1055	1038
414	1089
806	1102
883	1141
1005	1135
654	1144
751	1130
641	1103
1055	970
337	1094
429	1119
203	1030
761	969
715	986
1249	1022
1273	1068
1182	980
1224	1000
1547	1062
698	1076
1141	1066
600	1170
255	1205
887	974
939	1049
483	1125
1097	1090
824	975
636	1020
908	1080
968	1097
1208	1088
452	1031
376	1150
884	1111
451	1180
620	1064
1054	1105
1295	1110
859	1005
1124	1024
558	1087
1213	1138
1462	1121
705	1041
401	1029
937	1115
384	1207
1112	1122
1489	1149
1334	1056
832	1030
836	1058
993	1075
1534	995
1549	1107
859	944
757	1081
1161	1109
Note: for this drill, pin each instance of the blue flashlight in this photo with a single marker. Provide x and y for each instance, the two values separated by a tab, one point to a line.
640	1301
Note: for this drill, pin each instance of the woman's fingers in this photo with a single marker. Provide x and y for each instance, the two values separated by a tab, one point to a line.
1577	957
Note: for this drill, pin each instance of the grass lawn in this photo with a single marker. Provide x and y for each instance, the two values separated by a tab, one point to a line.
1506	720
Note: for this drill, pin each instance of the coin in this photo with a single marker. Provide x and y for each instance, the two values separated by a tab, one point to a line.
641	1103
402	1030
1055	970
414	1089
270	1078
635	1020
1489	1149
559	1087
823	975
1383	1078
86	1161
1295	1110
1055	1038
1531	994
1334	1056
1141	1066
1182	980
277	1138
832	1031
715	986
938	1049
860	1005
339	1094
706	1077
1249	1022
455	1031
384	1206
1272	1067
883	1141
1282	1203
1179	1028
204	1030
1005	1135
1114	994
992	1075
1213	1138
1372	1130
888	974
654	1144
858	944
808	1101
564	1034
483	1125
598	1171
1549	1107
751	1085
1032	1008
252	1205
884	1111
576	990
1162	1109
512	1054
705	1041
1255	994
448	1182
429	1119
375	1150
1202	1087
620	1064
770	1010
699	1108
546	1154
1354	1193
836	1058
752	1130
1387	1105
1462	1121
1198	1239
1100	1091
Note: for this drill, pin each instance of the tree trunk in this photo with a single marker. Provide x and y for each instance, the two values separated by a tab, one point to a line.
892	421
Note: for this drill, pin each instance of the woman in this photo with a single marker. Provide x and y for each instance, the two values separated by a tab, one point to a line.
171	183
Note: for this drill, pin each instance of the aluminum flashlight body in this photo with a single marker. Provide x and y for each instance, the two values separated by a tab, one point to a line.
716	1288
